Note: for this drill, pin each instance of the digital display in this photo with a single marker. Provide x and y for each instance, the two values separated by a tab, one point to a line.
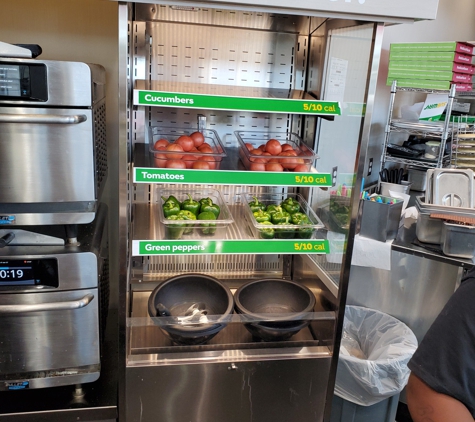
36	272
14	80
23	82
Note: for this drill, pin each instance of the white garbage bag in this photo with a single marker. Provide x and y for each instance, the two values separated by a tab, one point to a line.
375	349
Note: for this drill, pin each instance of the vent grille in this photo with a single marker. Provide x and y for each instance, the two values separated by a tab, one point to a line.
100	145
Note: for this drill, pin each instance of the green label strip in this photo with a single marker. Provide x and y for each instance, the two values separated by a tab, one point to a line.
228	177
199	247
218	102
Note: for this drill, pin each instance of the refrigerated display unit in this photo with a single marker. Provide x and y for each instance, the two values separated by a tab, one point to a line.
241	74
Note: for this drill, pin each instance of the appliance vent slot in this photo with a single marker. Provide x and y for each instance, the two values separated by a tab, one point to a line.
100	144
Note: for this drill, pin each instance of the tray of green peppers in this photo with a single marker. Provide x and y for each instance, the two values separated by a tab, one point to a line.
193	213
280	216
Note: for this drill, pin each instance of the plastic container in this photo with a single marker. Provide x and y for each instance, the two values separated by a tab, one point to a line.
383	411
306	156
287	231
195	228
432	150
164	159
372	364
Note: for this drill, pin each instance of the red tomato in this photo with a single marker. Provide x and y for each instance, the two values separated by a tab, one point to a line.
160	160
265	154
257	167
189	160
176	164
301	168
160	143
177	148
273	147
249	146
200	164
212	163
288	163
254	153
262	147
186	143
198	138
205	148
287	147
274	167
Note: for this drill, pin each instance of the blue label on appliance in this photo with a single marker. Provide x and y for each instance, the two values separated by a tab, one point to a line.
7	219
20	385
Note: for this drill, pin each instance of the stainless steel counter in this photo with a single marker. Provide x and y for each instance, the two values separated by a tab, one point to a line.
407	242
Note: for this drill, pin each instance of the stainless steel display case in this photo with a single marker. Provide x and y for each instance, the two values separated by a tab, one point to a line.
329	52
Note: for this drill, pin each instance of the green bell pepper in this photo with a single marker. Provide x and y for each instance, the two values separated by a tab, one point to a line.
256	205
304	232
173	199
207	228
174	231
261	216
191	205
284	232
280	216
290	205
170	208
207	205
272	208
267	232
297	217
187	216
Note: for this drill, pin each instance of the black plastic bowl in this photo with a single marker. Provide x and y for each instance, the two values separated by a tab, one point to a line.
286	302
178	293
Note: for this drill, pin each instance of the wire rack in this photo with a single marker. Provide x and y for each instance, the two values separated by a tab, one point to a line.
463	144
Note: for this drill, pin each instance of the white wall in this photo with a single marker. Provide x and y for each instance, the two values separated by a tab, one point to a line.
75	30
455	22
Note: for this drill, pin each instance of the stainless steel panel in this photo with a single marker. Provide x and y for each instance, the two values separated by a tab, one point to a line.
70	84
76	270
383	10
223	17
266	391
414	291
46	162
221	55
48	341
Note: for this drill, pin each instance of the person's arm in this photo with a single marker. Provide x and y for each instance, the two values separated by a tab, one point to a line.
426	405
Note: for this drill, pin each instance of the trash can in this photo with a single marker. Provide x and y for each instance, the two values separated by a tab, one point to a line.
372	366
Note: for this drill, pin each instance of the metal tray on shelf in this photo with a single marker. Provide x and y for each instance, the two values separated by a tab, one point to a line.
422	126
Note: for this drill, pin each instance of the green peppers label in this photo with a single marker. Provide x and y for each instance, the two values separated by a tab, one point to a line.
258	246
228	177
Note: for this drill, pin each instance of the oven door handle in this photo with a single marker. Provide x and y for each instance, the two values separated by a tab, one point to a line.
43	118
41	307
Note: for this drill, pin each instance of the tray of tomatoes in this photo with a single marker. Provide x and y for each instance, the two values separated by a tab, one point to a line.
185	148
274	151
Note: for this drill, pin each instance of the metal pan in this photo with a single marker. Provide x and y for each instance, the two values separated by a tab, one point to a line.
453	187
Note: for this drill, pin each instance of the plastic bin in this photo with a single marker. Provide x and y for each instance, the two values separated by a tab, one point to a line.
195	228
287	231
372	366
173	159
303	161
